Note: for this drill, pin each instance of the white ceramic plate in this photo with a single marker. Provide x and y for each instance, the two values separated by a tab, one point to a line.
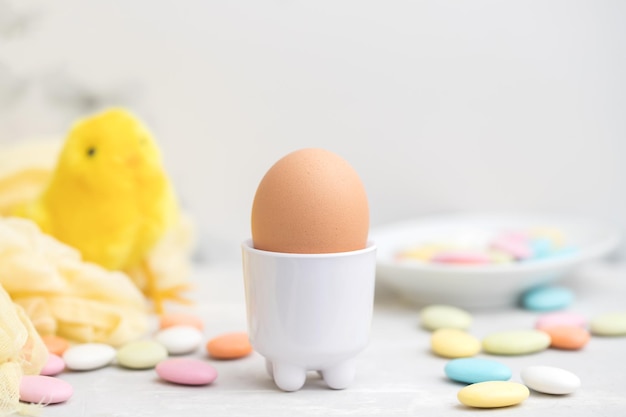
487	285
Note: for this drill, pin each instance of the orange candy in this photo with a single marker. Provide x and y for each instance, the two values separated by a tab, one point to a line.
568	337
55	344
180	319
229	346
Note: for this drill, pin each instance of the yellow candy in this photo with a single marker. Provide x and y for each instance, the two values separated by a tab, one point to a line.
516	342
609	324
440	316
499	257
141	354
493	394
423	252
551	234
454	343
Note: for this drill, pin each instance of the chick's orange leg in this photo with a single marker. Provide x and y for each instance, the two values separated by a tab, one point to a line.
160	296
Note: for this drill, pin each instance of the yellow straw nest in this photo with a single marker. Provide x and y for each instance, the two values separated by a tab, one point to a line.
62	294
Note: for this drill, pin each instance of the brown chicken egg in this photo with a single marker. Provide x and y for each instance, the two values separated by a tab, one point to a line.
310	201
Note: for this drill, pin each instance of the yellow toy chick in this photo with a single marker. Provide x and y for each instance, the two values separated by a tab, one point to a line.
109	196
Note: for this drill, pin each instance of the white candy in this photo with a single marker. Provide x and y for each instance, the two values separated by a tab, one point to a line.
88	356
179	340
550	380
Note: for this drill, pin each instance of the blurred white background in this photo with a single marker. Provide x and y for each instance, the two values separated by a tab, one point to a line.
439	105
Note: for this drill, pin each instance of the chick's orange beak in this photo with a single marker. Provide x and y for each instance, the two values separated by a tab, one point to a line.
133	160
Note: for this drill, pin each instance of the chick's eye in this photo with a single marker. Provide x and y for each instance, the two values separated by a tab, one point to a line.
91	151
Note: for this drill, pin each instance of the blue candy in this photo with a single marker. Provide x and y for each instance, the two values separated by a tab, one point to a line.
563	252
547	298
473	370
541	248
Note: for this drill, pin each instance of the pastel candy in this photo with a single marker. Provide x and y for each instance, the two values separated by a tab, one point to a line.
473	370
498	257
438	316
493	394
567	337
463	258
551	234
54	365
516	342
55	344
541	248
422	253
454	343
229	346
141	354
180	319
88	356
40	389
547	298
179	340
560	318
609	324
186	371
519	249
550	380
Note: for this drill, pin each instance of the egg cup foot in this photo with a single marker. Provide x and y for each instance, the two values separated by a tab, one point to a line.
340	376
288	377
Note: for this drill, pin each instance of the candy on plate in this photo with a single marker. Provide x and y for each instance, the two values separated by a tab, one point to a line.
497	284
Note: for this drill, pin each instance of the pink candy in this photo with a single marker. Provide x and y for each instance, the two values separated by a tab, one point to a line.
560	318
473	258
54	365
518	248
186	371
41	389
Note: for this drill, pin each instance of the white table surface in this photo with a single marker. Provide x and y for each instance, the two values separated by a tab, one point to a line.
396	376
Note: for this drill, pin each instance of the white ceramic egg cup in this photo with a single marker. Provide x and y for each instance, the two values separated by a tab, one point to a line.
309	312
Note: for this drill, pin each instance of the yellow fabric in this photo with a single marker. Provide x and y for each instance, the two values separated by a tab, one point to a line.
26	169
64	295
21	353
